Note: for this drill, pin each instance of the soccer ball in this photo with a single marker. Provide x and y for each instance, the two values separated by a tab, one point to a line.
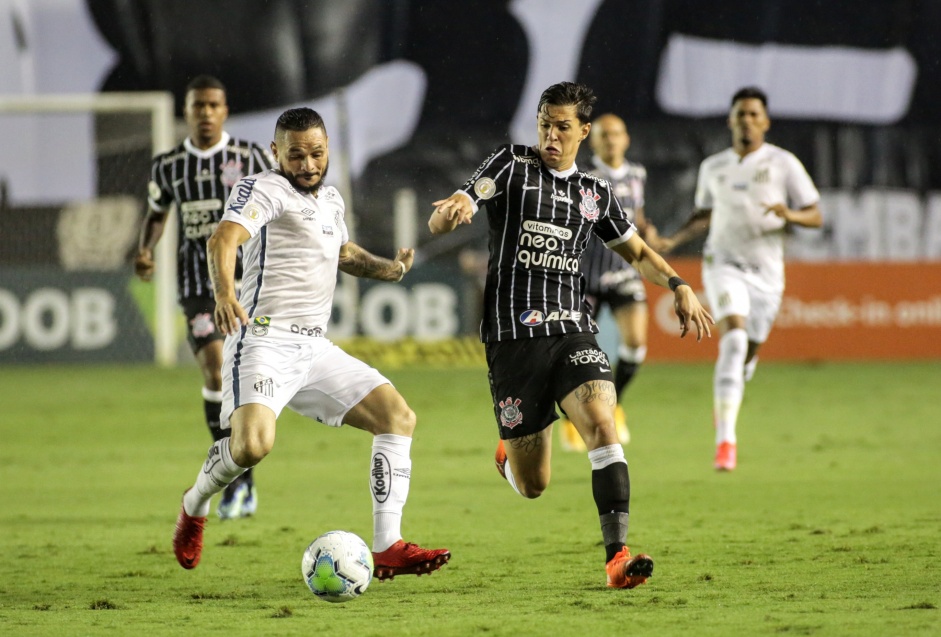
337	566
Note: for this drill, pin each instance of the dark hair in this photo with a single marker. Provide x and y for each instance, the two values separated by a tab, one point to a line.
569	94
299	119
750	92
204	81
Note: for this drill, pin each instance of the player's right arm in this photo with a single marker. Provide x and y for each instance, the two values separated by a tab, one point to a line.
451	212
151	231
485	184
223	248
695	226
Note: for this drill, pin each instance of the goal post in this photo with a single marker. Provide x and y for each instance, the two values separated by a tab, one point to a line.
160	107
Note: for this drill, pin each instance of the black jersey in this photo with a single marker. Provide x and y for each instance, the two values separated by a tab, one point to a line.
628	183
540	222
198	182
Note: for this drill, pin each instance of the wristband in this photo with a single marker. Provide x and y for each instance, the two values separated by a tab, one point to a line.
401	276
675	282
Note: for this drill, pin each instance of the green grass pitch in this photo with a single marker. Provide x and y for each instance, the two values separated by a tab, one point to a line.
830	526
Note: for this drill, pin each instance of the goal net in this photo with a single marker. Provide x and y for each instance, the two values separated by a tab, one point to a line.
73	182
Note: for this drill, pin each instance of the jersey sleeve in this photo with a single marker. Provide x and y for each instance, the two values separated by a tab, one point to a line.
801	191
487	182
613	227
159	192
703	199
253	203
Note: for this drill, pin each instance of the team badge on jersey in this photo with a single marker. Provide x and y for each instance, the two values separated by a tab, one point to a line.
531	318
231	172
260	325
510	414
589	205
485	187
153	190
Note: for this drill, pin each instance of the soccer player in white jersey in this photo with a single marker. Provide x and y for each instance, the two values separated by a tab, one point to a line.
540	338
276	354
745	197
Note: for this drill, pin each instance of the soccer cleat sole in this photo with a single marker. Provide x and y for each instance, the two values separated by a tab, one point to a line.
383	573
638	569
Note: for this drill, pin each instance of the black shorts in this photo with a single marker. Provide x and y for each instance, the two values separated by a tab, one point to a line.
617	288
528	376
201	326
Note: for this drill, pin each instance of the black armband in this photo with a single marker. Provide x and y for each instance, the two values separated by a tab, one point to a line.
675	282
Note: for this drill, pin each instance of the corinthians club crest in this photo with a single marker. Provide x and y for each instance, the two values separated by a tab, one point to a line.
589	204
510	414
231	172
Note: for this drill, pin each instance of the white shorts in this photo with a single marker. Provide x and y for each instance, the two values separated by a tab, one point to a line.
733	292
311	375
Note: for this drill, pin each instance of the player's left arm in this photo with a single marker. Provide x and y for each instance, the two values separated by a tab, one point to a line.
808	216
358	261
655	269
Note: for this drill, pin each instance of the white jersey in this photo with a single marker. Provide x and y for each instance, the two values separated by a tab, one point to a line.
737	190
290	262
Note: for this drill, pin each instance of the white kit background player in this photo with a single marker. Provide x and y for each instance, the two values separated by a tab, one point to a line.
276	353
746	196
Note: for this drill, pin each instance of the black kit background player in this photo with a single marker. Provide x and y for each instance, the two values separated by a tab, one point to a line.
195	177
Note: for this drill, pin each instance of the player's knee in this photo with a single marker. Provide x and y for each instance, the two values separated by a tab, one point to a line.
400	419
251	446
406	421
600	432
532	489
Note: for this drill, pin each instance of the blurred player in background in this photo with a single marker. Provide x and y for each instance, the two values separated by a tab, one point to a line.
276	353
197	177
540	343
609	279
745	197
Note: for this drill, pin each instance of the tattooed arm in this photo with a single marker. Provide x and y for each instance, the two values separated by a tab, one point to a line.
223	248
362	263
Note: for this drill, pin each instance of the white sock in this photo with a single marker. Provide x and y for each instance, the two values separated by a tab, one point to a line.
390	473
218	472
604	456
729	384
212	395
750	368
632	354
509	476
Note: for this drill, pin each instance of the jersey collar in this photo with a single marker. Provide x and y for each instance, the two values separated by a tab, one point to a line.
752	156
562	174
209	152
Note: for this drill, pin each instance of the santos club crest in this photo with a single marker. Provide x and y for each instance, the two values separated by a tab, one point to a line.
589	204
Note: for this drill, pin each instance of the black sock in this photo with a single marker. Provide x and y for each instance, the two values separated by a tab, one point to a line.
611	488
213	412
623	373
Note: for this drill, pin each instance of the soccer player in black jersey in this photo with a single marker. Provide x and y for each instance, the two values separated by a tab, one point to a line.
196	177
609	279
539	336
